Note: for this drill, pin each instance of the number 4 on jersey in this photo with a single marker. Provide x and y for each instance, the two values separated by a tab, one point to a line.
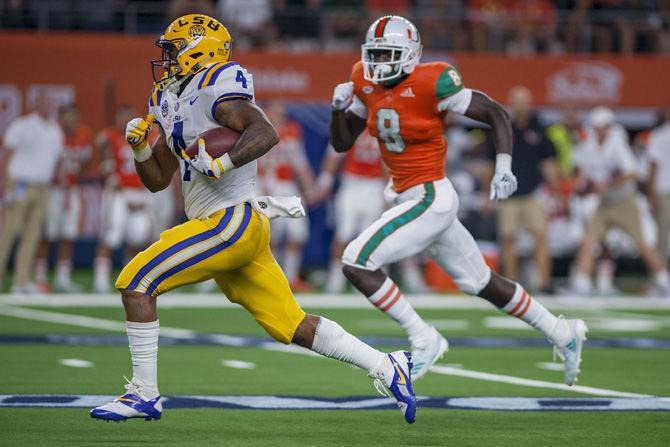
240	78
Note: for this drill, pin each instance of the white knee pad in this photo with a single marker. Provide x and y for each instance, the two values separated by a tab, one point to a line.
473	285
351	253
458	254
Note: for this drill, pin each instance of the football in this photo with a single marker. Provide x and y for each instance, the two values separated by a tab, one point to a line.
218	141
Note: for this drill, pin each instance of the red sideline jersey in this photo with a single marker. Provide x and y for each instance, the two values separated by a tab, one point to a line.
364	160
78	147
124	164
281	161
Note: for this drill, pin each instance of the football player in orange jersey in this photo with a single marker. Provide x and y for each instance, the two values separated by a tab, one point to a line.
404	103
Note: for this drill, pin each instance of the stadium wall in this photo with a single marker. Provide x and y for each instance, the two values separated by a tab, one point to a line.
99	71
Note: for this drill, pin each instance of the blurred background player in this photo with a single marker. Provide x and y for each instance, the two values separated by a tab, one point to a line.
31	148
359	199
659	180
534	162
126	214
285	171
606	164
64	210
566	134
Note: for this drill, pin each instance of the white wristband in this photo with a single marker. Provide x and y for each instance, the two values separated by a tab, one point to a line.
142	154
226	162
503	162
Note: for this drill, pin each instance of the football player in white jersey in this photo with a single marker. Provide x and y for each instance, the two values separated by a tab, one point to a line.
226	238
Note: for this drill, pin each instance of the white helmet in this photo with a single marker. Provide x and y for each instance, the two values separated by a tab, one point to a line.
396	35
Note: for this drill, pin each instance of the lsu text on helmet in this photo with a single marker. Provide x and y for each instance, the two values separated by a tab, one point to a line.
188	44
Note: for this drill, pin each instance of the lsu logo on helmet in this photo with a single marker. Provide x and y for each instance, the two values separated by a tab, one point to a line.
188	44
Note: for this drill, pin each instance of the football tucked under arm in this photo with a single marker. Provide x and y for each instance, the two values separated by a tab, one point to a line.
208	153
218	141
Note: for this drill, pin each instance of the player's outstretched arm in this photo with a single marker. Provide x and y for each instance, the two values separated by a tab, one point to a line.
485	110
156	171
257	134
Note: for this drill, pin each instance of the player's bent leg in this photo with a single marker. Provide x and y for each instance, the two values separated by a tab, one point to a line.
141	399
428	346
401	232
567	336
458	254
391	372
262	289
184	254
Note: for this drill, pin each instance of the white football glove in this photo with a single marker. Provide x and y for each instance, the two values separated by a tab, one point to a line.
205	164
137	135
504	183
343	95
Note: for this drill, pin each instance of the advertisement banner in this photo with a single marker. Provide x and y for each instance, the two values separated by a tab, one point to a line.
102	71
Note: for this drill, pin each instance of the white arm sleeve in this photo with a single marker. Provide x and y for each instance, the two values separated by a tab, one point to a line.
358	108
458	102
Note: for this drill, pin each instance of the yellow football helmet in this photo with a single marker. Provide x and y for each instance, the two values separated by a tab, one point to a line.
188	44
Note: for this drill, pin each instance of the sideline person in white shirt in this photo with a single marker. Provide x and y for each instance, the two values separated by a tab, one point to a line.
33	144
659	180
605	160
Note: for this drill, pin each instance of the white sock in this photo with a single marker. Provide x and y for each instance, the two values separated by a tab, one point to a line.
524	307
332	341
663	280
102	267
143	342
389	300
336	280
64	271
292	260
605	276
42	271
581	283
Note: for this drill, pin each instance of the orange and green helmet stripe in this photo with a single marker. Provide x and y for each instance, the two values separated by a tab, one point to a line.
379	30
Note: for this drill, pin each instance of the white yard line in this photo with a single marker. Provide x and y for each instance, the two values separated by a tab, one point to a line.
112	325
88	322
343	301
449	371
76	363
238	364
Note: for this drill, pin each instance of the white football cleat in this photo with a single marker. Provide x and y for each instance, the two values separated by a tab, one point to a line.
427	348
571	350
130	405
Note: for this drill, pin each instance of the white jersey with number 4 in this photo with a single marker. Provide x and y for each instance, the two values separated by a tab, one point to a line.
183	117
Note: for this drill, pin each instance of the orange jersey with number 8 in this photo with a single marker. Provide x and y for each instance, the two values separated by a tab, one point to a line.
406	121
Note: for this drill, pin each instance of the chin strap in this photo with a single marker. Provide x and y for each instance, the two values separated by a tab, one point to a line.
175	83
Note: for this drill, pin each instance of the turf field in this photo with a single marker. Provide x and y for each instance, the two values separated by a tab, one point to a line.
227	383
